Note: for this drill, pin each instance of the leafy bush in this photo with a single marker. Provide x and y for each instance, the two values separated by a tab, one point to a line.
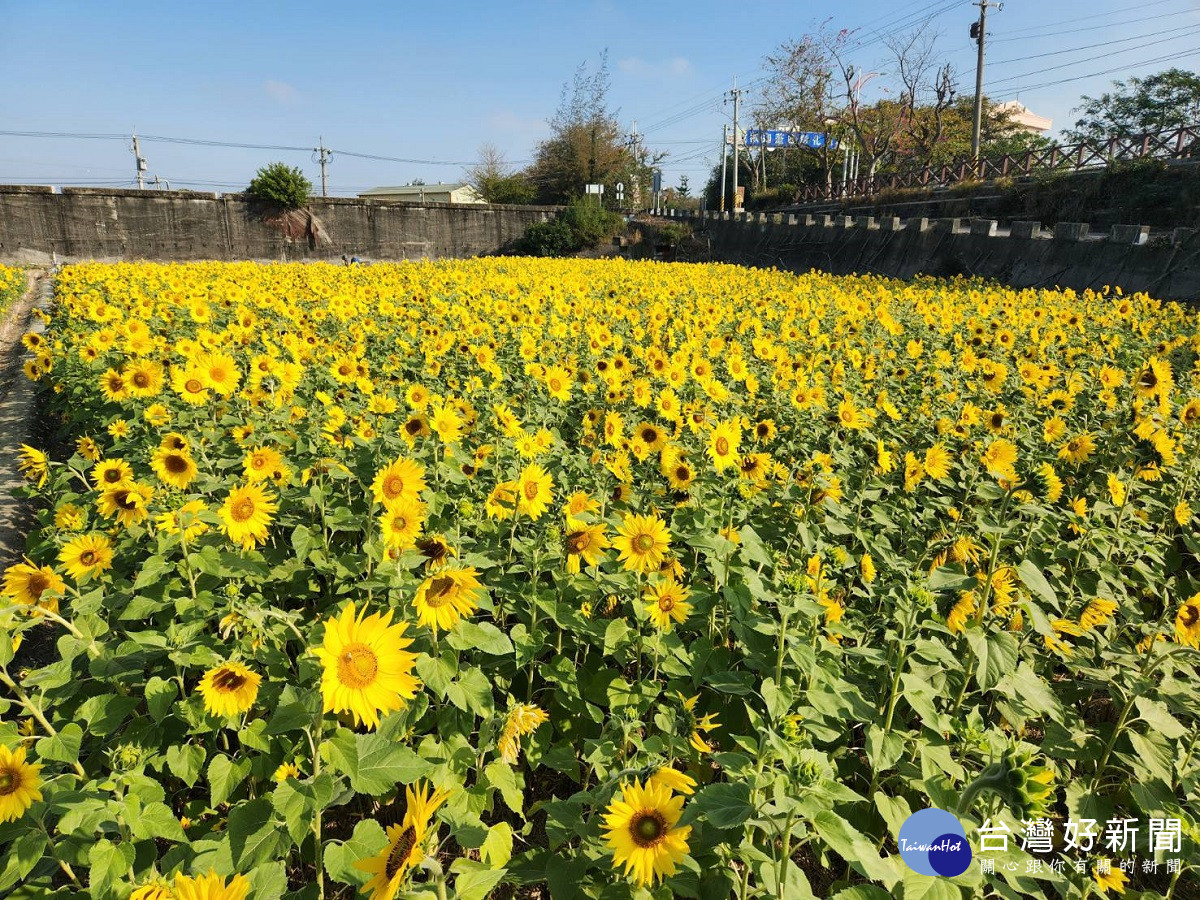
282	185
590	223
672	234
552	238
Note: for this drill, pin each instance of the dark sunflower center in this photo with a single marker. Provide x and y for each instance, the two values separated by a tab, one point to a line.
413	426
643	543
431	549
647	828
393	486
439	589
88	557
531	490
1191	615
112	476
666	603
404	846
578	541
9	782
125	500
37	584
649	435
228	680
175	464
193	386
1148	379
140	379
722	446
683	473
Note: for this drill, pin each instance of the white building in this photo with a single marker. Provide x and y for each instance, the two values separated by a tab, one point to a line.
425	193
1020	115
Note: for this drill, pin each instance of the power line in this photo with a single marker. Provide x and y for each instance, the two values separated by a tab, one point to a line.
1137	37
1024	34
1192	29
1122	68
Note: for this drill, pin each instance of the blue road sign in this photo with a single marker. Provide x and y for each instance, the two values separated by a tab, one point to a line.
813	140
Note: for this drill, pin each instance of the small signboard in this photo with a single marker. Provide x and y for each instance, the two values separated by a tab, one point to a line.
657	182
812	140
595	189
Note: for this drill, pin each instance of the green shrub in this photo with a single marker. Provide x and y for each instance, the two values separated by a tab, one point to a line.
281	185
553	238
672	234
590	224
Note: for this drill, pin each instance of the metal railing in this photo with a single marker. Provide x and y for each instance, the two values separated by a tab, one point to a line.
1178	143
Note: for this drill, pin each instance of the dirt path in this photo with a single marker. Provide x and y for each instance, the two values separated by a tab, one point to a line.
17	425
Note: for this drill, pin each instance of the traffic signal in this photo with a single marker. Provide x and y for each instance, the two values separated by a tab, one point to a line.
975	31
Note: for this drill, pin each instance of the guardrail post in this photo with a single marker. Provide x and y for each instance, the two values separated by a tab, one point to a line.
1129	234
1070	231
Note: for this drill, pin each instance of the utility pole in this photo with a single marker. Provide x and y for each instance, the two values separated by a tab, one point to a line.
324	154
724	157
139	164
979	32
736	94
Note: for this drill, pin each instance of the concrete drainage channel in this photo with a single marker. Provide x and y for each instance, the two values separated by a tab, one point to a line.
17	422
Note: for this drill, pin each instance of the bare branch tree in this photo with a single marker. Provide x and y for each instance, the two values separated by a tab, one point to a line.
927	92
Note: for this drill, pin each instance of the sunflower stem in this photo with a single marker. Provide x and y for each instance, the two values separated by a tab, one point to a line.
34	711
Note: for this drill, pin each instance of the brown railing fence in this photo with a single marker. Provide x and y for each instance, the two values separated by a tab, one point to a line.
1178	143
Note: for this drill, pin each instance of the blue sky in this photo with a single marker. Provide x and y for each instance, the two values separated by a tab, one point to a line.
432	81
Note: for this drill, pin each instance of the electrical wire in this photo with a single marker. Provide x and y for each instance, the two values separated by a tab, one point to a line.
992	85
1001	62
1122	68
1022	34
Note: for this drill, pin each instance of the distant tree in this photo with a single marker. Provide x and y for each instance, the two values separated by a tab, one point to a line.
281	185
684	190
496	181
802	91
1159	102
587	144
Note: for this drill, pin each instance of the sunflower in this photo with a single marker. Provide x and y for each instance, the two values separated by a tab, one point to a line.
643	832
401	523
155	890
366	668
405	847
445	598
666	602
501	501
999	458
1098	613
1108	878
286	770
698	726
211	887
34	464
673	779
174	467
229	689
1187	622
401	479
19	781
86	556
112	473
261	463
246	514
1155	380
70	517
522	719
144	379
723	445
445	421
25	584
219	372
680	474
937	462
185	520
189	383
534	491
642	542
113	387
585	544
1078	449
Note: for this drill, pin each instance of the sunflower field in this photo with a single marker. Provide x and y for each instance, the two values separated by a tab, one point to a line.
597	579
12	285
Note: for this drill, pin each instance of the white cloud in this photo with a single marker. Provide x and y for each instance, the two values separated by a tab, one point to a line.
281	91
675	67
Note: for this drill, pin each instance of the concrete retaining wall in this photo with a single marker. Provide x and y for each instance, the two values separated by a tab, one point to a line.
1023	255
103	224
